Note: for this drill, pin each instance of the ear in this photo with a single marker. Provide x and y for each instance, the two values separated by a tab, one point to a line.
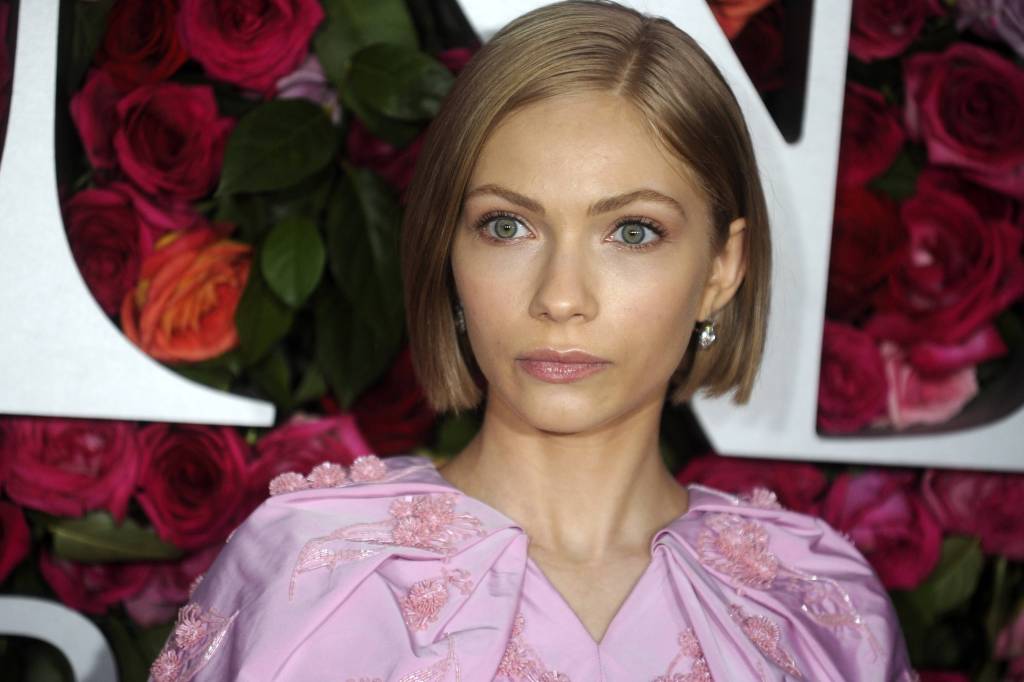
727	271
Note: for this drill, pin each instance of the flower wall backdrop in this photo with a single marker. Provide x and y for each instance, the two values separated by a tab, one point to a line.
232	192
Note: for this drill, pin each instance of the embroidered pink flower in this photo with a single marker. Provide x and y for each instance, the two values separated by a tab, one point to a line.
327	475
519	663
288	482
738	547
762	498
167	666
367	468
191	627
198	634
430	522
765	635
422	605
689	647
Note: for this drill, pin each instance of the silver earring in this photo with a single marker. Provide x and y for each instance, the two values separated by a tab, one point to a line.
460	319
706	331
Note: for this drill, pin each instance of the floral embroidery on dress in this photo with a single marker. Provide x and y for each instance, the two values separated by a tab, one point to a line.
762	498
437	672
766	636
364	469
427	522
689	647
425	599
519	663
197	636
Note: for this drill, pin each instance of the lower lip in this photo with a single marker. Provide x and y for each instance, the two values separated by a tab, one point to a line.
561	372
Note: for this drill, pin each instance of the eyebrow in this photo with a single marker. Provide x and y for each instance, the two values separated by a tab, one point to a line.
605	205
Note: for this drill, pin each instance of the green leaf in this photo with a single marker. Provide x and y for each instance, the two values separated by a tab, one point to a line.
274	376
398	133
455	432
276	145
262	318
353	24
398	81
96	538
214	377
954	579
900	180
249	212
311	387
132	662
292	259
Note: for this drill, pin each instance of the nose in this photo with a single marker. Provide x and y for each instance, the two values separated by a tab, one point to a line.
564	290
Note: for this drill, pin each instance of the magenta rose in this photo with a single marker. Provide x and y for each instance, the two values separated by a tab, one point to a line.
872	135
967	105
301	444
868	241
880	29
94	113
394	414
990	205
957	273
170	139
92	588
915	398
851	385
796	484
167	588
70	466
250	44
759	47
986	505
193	482
141	41
14	538
885	517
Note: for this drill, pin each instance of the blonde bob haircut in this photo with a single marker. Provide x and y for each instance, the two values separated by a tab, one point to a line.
570	47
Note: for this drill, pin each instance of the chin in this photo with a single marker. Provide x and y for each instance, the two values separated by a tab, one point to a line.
565	414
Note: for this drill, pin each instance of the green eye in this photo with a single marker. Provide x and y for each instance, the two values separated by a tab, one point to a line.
636	234
504	227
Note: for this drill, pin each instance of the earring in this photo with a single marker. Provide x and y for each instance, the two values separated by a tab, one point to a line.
460	319
706	331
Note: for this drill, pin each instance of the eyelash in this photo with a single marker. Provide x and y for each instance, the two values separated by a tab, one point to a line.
654	227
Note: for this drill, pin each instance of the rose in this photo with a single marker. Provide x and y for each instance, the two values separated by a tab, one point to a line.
733	15
914	398
70	466
92	588
170	139
989	204
192	485
167	588
249	44
394	414
851	386
957	273
14	538
301	444
456	58
759	47
885	28
993	19
394	165
885	517
183	308
868	240
94	113
933	359
796	484
308	82
967	105
141	42
872	135
986	505
1010	645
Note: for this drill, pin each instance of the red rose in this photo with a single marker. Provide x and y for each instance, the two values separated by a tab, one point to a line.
882	513
733	15
141	42
885	28
868	240
933	358
456	58
983	504
394	414
14	538
967	104
759	47
989	204
70	466
957	273
394	165
851	386
301	444
797	484
915	398
170	139
192	485
94	113
167	588
92	588
872	135
250	44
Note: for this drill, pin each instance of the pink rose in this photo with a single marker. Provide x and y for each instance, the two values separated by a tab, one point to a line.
797	484
914	398
141	41
967	105
880	29
92	588
250	44
193	482
935	359
170	139
14	538
851	385
308	82
168	588
983	504
70	466
888	522
94	113
872	135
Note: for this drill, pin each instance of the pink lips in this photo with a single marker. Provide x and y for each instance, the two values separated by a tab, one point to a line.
561	367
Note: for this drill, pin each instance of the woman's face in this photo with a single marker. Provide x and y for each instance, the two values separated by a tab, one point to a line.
580	233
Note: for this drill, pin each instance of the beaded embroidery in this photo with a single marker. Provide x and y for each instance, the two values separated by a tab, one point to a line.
765	635
425	599
437	671
197	636
333	475
519	663
689	647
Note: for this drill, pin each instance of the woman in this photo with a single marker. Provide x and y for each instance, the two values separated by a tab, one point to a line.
585	220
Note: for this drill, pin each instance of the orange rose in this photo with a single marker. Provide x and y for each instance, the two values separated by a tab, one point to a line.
733	15
183	308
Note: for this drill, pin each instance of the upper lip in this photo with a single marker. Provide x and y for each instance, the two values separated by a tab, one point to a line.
566	356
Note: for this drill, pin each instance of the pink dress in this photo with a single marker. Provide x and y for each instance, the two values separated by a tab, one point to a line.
386	572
